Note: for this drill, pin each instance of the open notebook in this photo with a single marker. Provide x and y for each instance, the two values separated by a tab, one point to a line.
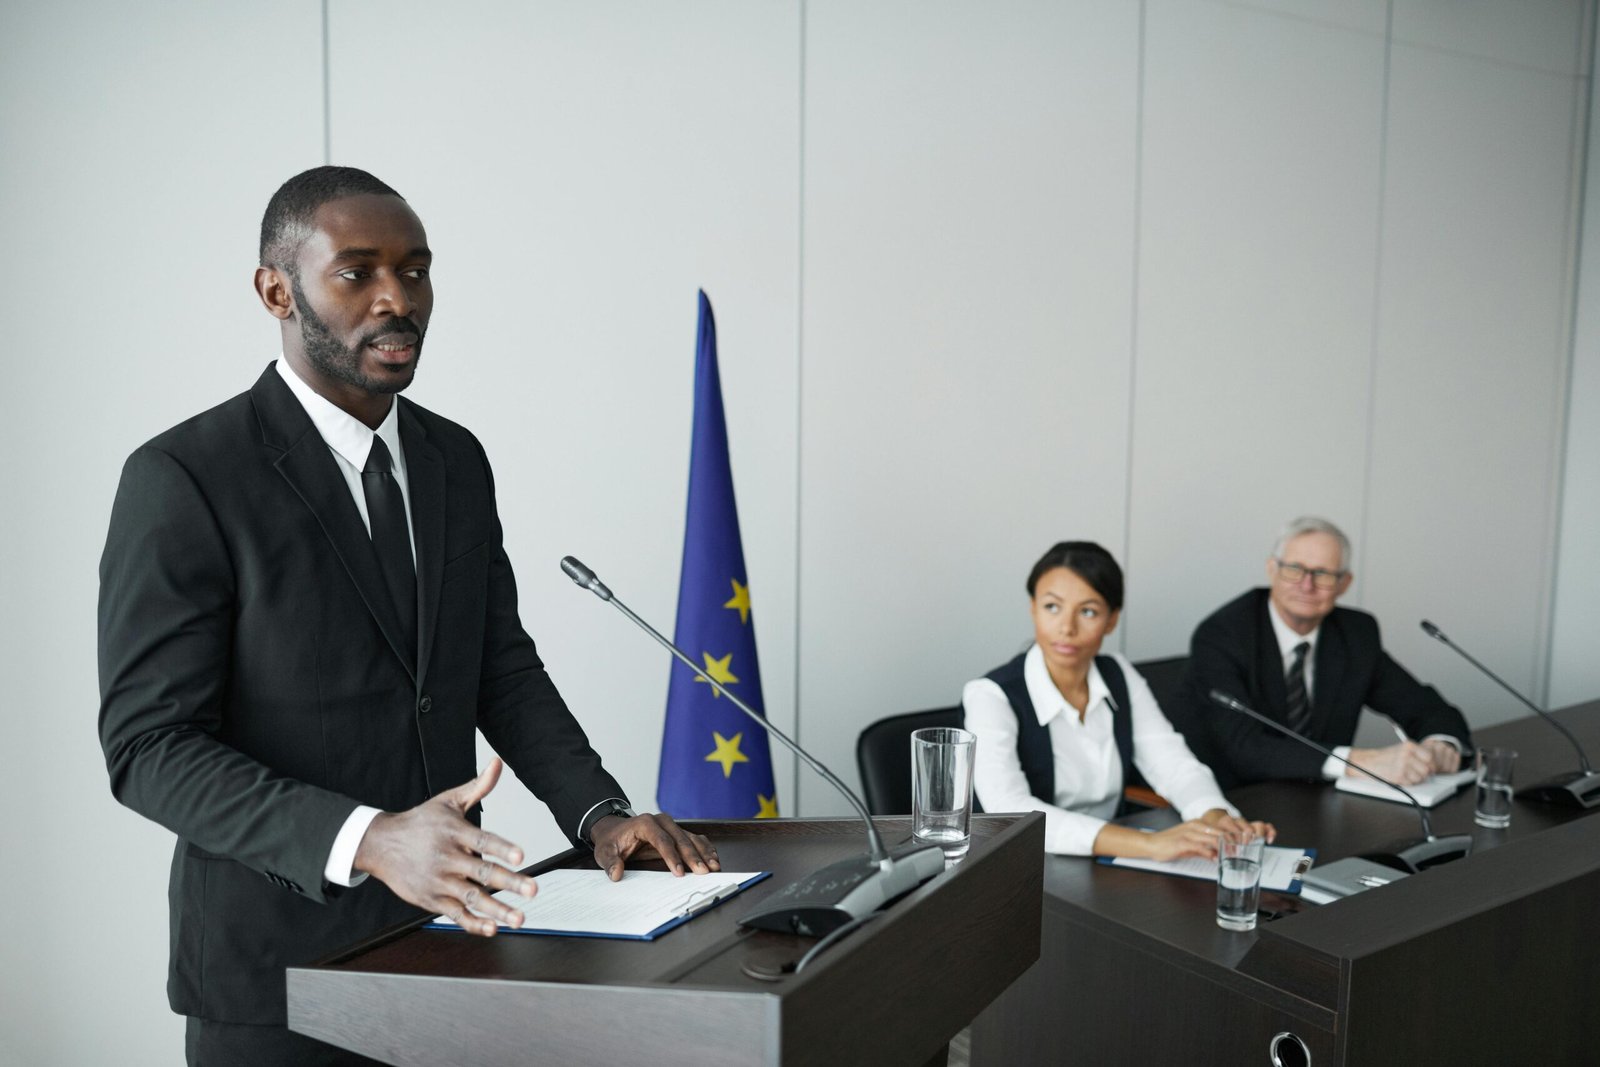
1428	793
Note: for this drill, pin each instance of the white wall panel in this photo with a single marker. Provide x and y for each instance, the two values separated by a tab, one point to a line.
582	169
140	145
1367	16
1257	243
1472	355
1575	629
968	212
1540	34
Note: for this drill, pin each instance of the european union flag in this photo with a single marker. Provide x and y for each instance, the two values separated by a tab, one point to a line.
715	762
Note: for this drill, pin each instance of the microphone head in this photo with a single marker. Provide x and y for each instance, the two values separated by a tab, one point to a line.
1434	632
585	577
1225	700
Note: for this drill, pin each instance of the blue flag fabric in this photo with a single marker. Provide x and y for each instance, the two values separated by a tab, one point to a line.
715	762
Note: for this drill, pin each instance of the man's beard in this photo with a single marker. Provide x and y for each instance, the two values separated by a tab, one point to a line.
334	360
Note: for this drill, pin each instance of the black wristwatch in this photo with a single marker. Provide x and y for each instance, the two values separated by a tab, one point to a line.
609	807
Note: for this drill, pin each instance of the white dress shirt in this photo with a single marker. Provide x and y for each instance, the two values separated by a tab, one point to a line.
1287	639
350	440
1088	768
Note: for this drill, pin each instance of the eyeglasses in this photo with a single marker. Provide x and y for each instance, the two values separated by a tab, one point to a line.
1294	574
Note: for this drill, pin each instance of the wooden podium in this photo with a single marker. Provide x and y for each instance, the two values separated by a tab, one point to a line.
893	992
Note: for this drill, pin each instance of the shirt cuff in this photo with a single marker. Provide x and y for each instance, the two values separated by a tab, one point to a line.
342	857
1333	769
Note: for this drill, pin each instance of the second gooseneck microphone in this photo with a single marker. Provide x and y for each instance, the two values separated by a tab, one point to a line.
1410	856
1576	789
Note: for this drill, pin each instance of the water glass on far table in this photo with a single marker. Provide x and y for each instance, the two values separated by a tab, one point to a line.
941	788
1239	879
1494	787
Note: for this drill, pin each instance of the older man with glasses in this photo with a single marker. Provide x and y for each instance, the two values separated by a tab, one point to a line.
1291	653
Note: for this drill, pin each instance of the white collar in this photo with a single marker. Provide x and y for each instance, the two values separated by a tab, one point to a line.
342	431
1047	699
1287	638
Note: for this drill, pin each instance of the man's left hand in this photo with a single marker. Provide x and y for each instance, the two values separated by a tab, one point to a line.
616	838
1446	759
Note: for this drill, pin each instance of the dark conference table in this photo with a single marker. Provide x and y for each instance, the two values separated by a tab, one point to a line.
1491	959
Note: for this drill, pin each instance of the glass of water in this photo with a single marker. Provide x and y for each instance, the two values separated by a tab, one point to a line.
941	788
1239	879
1494	787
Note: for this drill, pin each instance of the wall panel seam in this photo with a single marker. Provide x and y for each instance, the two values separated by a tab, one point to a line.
1377	289
799	390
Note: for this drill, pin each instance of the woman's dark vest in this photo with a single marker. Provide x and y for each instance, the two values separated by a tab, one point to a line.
1033	736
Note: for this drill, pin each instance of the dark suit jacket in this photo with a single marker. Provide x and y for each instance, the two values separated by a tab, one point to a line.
1235	650
254	686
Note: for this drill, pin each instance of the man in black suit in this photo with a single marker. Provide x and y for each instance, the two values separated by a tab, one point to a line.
1291	654
305	613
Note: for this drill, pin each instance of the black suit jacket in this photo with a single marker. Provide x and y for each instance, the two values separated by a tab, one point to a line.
1236	651
255	687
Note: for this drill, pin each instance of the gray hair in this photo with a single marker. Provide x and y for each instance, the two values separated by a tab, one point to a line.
1311	524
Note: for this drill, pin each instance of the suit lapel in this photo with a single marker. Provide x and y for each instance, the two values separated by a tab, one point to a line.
1333	659
425	473
314	474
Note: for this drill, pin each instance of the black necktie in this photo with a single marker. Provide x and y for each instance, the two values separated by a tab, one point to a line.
391	537
1299	706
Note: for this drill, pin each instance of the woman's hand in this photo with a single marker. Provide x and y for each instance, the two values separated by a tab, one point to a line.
1197	837
1192	838
1219	819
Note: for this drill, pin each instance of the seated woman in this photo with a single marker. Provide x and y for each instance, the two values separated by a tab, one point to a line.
1060	725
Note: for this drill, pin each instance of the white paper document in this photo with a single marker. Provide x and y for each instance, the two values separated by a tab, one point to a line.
1281	868
1428	792
642	905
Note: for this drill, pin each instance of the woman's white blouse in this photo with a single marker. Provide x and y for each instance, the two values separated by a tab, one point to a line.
1088	768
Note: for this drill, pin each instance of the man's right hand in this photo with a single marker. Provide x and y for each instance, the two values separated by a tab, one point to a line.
431	856
1404	764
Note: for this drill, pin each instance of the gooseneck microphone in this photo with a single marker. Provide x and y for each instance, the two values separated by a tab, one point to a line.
1407	855
840	893
1576	789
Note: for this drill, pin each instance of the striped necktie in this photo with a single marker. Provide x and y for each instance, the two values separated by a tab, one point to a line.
1295	682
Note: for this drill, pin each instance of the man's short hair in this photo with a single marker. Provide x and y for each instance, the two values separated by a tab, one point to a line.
288	219
1311	524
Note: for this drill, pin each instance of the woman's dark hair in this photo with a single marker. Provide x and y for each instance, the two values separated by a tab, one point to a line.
1088	561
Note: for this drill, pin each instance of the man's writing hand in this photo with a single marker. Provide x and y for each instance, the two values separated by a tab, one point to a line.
616	838
431	856
1446	757
1405	764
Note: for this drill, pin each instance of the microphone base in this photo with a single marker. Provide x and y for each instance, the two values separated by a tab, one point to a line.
1412	856
843	892
1575	790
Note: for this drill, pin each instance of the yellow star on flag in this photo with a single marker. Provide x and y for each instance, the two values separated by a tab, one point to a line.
769	806
741	600
727	753
718	669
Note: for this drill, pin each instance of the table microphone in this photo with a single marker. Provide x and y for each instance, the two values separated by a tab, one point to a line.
1407	855
1576	789
840	893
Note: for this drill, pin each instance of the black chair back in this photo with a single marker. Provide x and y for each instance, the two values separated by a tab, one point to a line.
883	756
1166	679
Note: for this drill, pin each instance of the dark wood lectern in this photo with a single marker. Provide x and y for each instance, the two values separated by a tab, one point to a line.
893	992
